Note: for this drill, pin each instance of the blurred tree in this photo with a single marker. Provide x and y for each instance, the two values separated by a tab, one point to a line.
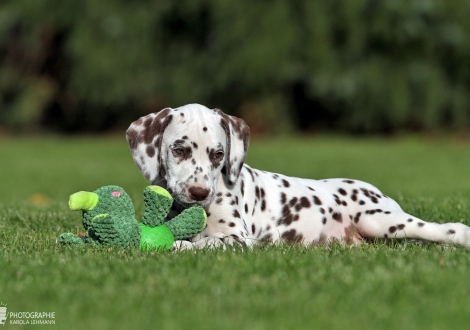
390	64
361	66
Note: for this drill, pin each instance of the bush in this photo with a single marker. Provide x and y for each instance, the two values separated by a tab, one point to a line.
364	65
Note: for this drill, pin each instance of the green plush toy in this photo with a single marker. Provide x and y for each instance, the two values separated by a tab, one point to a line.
109	219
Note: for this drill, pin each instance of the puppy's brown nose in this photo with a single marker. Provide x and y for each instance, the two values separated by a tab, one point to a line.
198	193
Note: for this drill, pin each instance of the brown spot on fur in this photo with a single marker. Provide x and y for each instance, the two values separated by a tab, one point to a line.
266	238
150	151
257	192
337	200
292	237
304	202
285	183
342	191
283	198
263	205
287	216
251	173
356	217
293	201
337	217
156	125
317	200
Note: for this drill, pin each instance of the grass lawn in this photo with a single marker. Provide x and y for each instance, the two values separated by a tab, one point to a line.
379	286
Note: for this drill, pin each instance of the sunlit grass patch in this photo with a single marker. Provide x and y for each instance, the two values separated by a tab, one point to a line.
381	285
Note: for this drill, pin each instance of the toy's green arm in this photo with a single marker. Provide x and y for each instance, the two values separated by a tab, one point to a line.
188	224
157	202
102	230
71	239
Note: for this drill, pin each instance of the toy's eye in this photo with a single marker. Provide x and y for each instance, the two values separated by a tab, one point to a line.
116	193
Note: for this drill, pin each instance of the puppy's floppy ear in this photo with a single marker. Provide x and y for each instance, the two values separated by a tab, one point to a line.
145	137
238	137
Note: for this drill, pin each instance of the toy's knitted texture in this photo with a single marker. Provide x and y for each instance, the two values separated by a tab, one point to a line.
188	223
71	239
157	202
109	219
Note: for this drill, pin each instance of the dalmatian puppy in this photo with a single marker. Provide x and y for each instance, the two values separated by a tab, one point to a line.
198	155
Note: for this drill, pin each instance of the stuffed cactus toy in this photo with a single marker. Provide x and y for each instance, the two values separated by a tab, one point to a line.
108	217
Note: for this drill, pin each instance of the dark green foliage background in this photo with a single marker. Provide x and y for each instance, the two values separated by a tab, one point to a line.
361	66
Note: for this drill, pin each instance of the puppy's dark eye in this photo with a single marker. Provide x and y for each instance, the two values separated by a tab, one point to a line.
218	155
178	151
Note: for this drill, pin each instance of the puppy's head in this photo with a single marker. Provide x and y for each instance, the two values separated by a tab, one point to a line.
188	148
